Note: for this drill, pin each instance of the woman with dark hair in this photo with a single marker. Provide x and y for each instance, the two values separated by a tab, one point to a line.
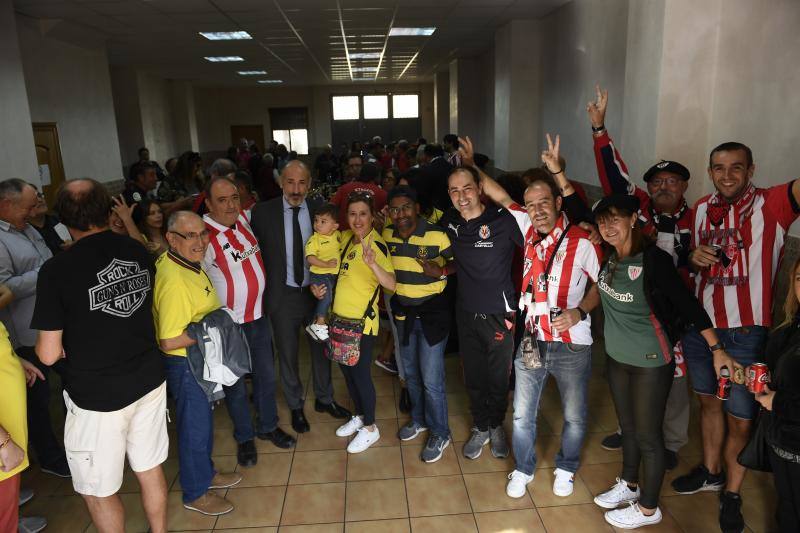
151	227
782	400
647	309
365	266
188	178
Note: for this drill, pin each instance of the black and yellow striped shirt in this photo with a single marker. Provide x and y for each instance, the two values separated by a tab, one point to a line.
427	242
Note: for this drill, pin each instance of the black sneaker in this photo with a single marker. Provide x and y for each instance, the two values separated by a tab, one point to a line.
59	468
699	479
670	459
730	513
612	442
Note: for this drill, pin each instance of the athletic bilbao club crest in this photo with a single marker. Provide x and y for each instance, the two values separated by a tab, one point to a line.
122	289
634	272
560	256
484	232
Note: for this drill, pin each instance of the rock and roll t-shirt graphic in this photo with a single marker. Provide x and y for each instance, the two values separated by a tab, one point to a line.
122	289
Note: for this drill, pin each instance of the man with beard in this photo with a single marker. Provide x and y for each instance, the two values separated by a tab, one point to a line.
664	215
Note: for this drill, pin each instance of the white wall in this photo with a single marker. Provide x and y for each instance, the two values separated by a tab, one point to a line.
71	86
125	91
218	109
155	101
17	152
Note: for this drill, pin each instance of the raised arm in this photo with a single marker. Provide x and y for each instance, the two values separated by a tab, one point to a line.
491	188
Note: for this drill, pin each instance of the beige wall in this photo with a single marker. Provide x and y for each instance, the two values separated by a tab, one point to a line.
71	86
217	109
155	101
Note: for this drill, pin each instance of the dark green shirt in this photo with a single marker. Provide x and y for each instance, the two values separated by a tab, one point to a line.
633	334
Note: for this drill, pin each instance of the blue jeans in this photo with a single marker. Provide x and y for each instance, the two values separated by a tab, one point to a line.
195	428
329	280
570	364
259	337
424	370
745	345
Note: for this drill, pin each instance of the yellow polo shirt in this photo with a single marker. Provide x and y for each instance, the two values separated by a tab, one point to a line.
357	283
324	248
183	294
13	404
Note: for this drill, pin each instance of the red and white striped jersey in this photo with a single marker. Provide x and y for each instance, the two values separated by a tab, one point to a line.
576	261
233	262
737	291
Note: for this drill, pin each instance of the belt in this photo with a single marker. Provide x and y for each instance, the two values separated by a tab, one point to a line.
298	290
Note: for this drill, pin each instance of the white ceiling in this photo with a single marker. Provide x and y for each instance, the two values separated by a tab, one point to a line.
298	41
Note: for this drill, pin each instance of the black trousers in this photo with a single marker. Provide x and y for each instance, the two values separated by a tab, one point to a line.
359	381
640	398
487	347
49	451
787	484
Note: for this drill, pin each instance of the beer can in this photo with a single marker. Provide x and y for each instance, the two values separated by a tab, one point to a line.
555	312
757	377
724	384
717	249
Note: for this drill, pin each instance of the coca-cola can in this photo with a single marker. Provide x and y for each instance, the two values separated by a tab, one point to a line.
757	378
555	312
724	384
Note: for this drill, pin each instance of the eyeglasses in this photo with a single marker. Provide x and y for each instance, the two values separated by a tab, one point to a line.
396	210
670	181
192	236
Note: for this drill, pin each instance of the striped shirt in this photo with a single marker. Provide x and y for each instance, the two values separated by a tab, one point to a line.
737	291
233	262
576	261
427	242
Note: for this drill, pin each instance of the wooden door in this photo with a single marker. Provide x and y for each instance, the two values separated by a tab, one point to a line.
251	132
48	154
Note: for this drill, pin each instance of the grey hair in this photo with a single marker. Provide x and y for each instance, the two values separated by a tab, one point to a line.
222	167
12	187
296	163
176	217
268	159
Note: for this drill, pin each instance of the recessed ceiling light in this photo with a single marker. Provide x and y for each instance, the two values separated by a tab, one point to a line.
405	32
251	72
270	81
225	35
365	55
364	69
222	59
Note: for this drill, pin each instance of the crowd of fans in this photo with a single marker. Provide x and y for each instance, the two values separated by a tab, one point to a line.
195	278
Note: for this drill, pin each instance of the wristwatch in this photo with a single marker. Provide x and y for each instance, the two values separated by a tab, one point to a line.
583	313
718	346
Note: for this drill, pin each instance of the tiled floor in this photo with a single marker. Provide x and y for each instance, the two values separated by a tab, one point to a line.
319	488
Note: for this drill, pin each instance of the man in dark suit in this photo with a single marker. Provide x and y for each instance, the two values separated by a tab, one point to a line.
282	226
432	180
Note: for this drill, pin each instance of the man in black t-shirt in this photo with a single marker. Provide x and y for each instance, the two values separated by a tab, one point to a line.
483	240
94	313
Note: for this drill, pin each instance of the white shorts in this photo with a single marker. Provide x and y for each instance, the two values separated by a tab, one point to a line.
97	442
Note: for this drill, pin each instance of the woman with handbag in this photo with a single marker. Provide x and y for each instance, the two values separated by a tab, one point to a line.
647	308
365	267
782	400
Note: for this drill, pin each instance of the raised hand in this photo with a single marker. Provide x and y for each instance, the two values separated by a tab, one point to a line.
122	208
550	156
597	108
467	152
367	253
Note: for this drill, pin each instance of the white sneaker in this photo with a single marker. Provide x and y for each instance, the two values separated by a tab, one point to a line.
564	483
517	483
617	494
350	427
631	517
318	332
364	439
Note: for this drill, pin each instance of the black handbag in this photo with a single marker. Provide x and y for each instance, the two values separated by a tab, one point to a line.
755	454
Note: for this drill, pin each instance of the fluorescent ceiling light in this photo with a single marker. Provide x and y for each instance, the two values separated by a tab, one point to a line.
222	59
225	35
270	81
406	32
364	69
365	55
251	72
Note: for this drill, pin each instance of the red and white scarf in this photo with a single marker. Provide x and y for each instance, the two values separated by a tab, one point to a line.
724	223
534	282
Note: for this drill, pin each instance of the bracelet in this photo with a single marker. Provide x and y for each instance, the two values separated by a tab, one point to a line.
598	129
8	439
555	173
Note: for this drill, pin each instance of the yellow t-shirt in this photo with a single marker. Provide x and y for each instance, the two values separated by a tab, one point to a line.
357	283
183	294
324	248
13	404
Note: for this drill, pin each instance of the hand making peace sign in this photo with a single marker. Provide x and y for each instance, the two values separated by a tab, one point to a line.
597	108
367	253
550	156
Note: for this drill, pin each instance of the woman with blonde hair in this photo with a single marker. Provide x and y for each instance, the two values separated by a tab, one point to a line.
782	400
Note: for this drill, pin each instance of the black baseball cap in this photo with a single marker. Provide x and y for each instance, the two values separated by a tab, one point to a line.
673	167
626	202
